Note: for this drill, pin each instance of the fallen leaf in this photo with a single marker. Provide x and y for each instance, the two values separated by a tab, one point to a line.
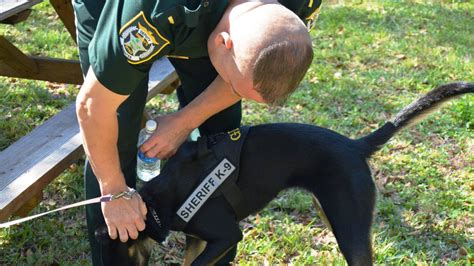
401	56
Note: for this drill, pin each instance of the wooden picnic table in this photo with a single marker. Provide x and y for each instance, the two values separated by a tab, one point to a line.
15	63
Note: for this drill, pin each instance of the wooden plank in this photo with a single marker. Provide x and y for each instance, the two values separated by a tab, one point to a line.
32	162
162	79
11	7
17	18
66	14
49	69
172	87
16	59
29	205
29	164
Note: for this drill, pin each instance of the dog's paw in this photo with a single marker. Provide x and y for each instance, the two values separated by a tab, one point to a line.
102	235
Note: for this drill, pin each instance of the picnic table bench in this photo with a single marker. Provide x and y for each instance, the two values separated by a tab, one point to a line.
14	11
31	163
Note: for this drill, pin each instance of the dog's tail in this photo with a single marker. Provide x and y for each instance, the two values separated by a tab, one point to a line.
413	113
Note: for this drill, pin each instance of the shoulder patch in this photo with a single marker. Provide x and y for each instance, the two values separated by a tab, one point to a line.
140	40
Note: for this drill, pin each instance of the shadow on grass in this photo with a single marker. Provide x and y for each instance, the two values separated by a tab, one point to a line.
436	245
406	243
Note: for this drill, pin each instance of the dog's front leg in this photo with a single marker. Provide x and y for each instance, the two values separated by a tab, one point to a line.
194	247
221	235
215	223
214	251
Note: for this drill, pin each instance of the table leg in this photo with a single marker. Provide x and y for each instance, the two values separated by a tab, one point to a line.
66	14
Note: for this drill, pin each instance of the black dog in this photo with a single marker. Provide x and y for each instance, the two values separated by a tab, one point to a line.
273	157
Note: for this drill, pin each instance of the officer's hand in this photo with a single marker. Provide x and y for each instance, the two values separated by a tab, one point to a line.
171	132
125	217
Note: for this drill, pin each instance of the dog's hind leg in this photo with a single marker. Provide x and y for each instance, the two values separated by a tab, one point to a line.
348	204
320	212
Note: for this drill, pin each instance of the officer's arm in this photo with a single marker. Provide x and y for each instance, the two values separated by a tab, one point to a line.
174	129
96	108
217	97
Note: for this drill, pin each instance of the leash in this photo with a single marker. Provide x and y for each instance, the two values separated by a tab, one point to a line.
124	194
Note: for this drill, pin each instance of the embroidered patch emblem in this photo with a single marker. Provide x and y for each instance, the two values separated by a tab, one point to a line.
140	40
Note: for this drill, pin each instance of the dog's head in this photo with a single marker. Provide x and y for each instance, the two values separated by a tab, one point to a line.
155	229
133	252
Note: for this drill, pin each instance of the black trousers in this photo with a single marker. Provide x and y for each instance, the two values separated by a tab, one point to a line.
195	75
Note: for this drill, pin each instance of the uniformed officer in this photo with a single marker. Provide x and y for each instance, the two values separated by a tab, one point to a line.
222	50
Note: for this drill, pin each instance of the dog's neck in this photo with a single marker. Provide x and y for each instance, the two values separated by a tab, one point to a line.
156	218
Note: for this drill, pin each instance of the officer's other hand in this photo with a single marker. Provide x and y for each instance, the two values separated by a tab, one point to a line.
171	132
125	217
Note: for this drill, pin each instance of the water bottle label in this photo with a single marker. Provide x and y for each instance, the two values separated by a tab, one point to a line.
143	157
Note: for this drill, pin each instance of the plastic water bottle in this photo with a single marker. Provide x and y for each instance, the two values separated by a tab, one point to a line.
147	168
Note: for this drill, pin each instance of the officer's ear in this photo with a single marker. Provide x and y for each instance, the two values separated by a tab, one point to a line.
223	38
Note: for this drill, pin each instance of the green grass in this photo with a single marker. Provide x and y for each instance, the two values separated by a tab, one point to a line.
371	59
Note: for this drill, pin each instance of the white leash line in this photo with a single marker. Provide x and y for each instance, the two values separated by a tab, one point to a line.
105	198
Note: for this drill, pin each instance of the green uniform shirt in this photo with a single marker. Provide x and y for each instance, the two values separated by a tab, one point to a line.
131	34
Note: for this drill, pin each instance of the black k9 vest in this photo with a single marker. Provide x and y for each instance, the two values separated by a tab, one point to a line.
216	168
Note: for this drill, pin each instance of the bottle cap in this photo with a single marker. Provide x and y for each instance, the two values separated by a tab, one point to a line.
150	125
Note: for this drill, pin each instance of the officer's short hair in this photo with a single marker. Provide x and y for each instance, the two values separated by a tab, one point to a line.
279	68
